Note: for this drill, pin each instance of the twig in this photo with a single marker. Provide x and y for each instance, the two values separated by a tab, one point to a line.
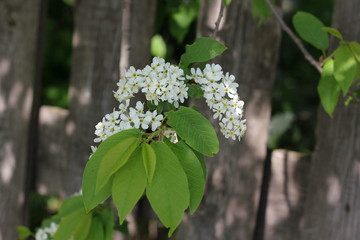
297	41
218	20
356	99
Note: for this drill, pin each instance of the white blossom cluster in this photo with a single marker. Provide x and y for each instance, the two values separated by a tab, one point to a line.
159	81
220	92
46	233
127	118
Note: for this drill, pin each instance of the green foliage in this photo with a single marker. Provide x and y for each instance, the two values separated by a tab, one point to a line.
149	159
355	48
345	67
310	29
195	130
107	218
96	230
194	172
168	193
333	32
203	49
129	184
261	10
23	232
69	224
158	46
328	88
91	197
114	158
195	91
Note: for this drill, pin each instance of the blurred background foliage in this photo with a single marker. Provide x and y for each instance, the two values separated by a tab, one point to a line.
295	99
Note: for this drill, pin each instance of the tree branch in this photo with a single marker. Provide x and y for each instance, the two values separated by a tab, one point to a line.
297	41
218	20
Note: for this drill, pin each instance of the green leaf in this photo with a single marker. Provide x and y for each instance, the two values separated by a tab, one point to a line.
168	193
193	170
261	9
201	159
310	29
107	218
345	67
195	91
328	88
97	230
334	32
91	199
149	159
68	225
181	20
195	129
158	46
114	159
70	205
227	2
23	232
355	48
129	184
203	49
83	227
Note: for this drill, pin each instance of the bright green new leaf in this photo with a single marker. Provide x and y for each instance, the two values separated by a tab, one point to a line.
328	88
107	218
345	67
114	159
23	232
70	205
149	159
168	193
334	32
195	129
68	225
181	20
227	2
91	199
355	48
97	230
129	184
83	227
310	29
193	170
203	49
158	46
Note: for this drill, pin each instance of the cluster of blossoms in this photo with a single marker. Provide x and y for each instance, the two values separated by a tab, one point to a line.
163	82
46	233
220	92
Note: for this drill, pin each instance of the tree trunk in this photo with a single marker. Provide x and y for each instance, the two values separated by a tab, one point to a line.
19	73
333	206
228	210
95	71
287	195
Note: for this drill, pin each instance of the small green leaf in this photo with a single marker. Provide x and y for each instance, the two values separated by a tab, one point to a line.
168	193
158	46
23	232
195	129
193	170
227	2
107	218
334	32
261	9
328	88
97	230
129	184
92	199
68	225
195	91
83	227
114	159
345	67
310	29
70	205
355	48
201	159
203	49
149	159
